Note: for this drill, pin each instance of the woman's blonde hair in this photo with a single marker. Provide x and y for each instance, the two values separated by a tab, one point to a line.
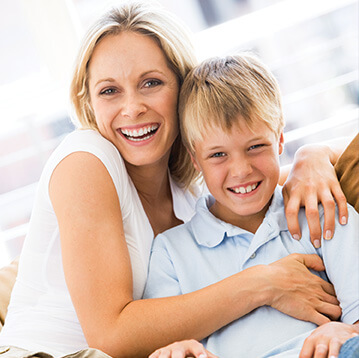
173	39
219	89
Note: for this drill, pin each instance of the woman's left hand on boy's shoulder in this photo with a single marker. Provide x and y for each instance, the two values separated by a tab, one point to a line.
326	340
311	181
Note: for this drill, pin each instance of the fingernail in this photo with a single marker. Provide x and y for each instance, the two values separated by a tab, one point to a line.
333	357
343	220
328	235
317	244
296	237
202	355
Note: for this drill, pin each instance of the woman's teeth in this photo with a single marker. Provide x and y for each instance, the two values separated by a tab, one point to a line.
141	133
244	190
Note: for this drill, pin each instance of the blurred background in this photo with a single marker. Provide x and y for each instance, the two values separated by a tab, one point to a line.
311	46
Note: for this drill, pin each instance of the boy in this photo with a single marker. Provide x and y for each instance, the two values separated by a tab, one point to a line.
232	125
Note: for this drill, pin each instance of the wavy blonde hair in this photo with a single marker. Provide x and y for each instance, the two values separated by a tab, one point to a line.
173	39
219	89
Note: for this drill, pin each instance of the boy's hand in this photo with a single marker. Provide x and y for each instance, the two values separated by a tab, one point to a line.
326	340
311	181
183	349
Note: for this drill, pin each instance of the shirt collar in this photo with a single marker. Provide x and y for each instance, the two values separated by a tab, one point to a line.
210	231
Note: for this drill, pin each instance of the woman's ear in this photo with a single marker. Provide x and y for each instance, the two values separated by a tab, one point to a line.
281	143
194	161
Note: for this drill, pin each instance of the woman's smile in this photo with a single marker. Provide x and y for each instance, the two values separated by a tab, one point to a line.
139	133
134	97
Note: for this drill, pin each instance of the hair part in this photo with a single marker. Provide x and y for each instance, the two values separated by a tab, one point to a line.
220	89
174	40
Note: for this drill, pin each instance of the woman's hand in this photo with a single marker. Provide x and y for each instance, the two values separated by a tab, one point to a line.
326	340
312	180
183	349
299	293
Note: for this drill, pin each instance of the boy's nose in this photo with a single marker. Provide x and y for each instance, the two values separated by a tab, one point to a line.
241	168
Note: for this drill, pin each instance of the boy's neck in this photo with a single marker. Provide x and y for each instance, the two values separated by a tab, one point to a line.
250	223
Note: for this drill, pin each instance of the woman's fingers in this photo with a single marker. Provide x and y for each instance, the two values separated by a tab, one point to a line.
330	199
328	203
300	293
312	214
330	310
292	206
312	181
341	202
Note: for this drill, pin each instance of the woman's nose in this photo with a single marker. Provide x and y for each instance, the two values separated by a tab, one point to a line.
132	106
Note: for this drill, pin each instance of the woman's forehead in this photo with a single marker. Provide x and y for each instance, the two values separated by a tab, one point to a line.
126	54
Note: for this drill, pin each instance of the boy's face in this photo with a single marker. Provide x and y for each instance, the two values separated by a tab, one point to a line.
241	170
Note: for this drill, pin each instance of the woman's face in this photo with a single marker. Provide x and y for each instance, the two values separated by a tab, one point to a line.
134	97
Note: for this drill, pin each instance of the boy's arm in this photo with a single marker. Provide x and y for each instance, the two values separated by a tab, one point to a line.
342	268
341	261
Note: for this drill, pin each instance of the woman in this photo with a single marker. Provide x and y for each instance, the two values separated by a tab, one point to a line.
106	192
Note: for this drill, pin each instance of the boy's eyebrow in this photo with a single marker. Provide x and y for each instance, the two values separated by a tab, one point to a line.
260	137
215	147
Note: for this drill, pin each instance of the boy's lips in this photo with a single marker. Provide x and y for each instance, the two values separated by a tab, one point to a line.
245	189
139	133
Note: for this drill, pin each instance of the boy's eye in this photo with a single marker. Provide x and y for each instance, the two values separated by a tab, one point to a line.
152	83
217	155
256	146
108	91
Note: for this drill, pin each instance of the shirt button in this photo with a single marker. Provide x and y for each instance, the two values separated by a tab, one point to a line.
253	255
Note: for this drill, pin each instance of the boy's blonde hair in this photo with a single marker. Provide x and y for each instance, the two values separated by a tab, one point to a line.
215	92
173	39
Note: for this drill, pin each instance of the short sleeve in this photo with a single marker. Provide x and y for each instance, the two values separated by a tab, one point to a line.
162	280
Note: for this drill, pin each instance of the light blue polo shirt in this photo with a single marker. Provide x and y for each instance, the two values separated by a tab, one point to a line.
206	250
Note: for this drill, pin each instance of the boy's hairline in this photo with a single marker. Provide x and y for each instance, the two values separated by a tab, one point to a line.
238	119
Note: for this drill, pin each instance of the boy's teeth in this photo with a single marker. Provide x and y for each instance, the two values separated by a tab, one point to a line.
246	189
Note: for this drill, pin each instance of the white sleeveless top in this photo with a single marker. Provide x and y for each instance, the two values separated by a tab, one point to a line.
41	315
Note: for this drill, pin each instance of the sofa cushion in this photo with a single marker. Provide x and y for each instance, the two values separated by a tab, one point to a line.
347	168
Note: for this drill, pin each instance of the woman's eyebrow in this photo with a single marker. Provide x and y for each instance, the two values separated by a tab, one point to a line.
111	79
108	79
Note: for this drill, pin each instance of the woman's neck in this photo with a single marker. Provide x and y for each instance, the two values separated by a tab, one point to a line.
151	182
154	190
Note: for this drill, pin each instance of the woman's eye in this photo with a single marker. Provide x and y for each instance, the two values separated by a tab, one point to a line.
217	155
152	83
108	91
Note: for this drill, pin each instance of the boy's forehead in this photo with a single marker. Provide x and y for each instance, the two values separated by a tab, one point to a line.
215	133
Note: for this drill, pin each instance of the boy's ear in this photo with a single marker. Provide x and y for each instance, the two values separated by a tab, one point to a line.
194	161
281	143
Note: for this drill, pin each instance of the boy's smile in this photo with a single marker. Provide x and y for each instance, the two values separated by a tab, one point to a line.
241	170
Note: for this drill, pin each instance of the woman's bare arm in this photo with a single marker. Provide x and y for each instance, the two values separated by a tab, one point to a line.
98	274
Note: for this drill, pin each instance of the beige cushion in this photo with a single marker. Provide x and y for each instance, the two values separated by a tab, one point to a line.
7	280
347	169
